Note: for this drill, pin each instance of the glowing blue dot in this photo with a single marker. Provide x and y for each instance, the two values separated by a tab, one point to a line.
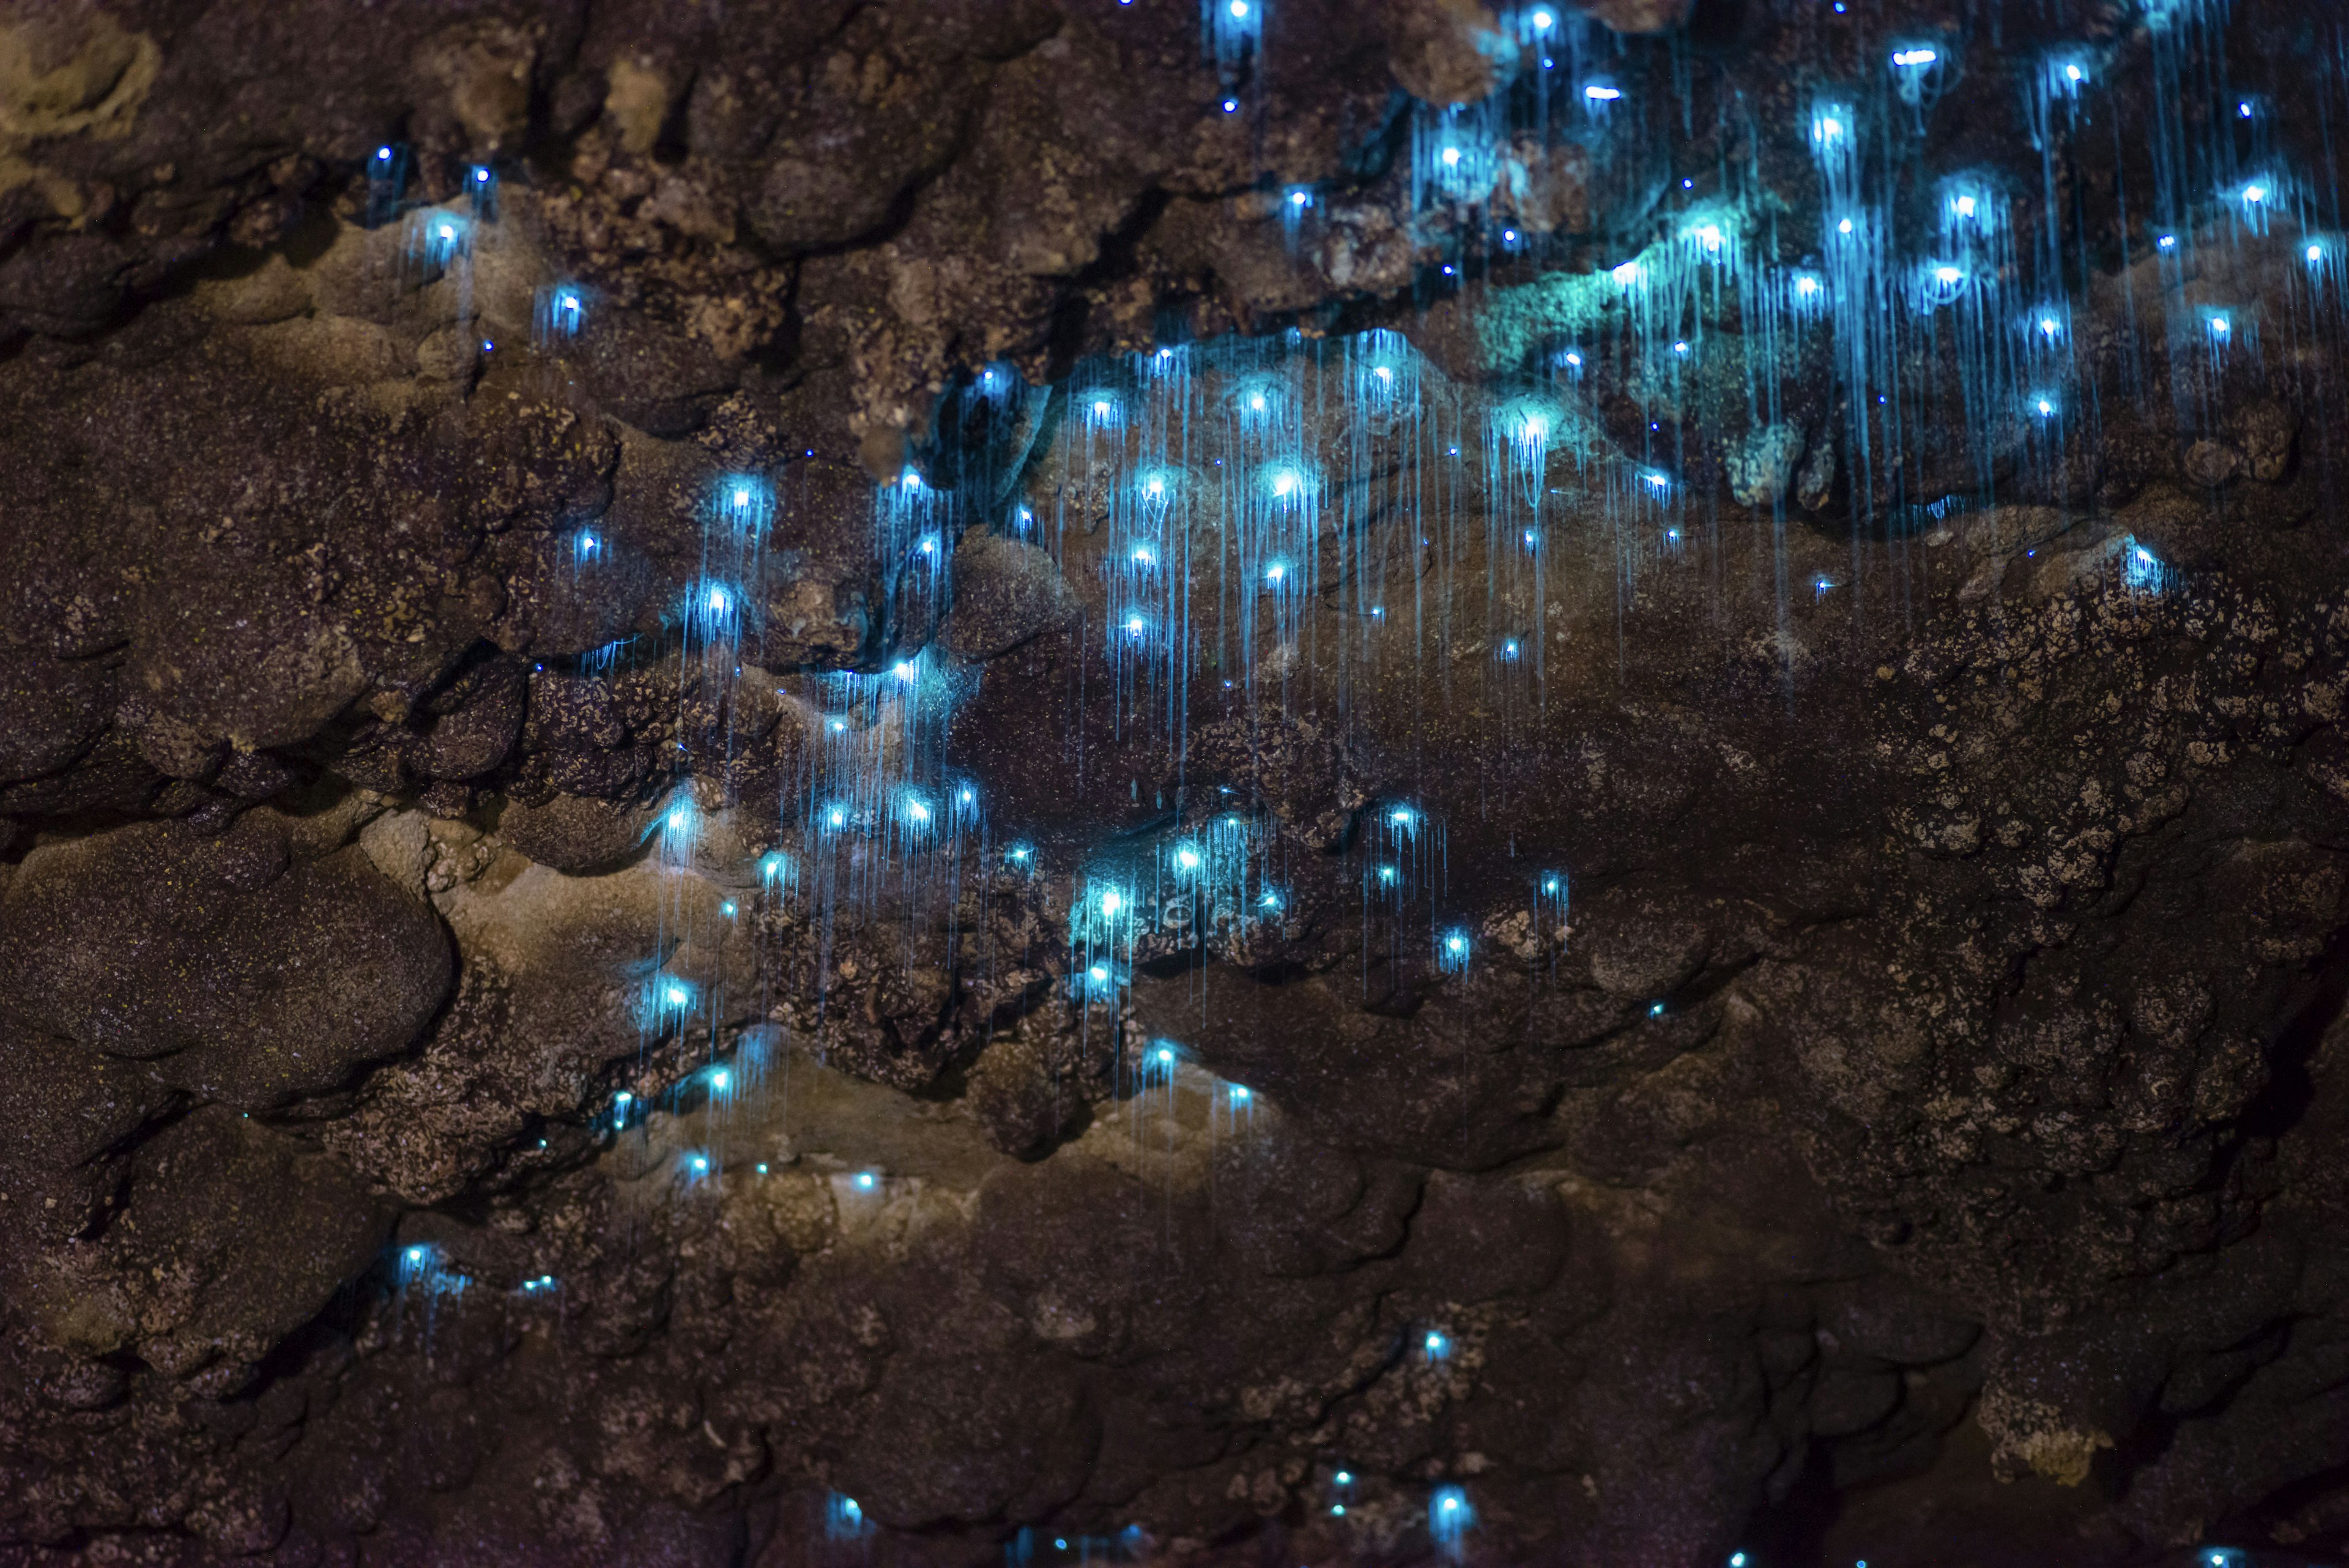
1269	901
1906	58
866	1181
2255	194
967	796
676	818
1550	886
1187	858
416	1254
1655	1010
1231	106
480	176
2316	252
676	997
1239	9
2167	241
930	546
727	910
720	1078
718	600
1597	93
1844	227
1543	21
762	1168
1020	854
1240	1093
588	542
2244	109
701	1162
383	154
1386	873
1100	975
1272	574
1135	626
1344	1477
1111	902
1165	1054
905	669
1339	1508
1456	944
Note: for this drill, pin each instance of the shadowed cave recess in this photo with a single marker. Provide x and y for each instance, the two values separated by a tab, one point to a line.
925	783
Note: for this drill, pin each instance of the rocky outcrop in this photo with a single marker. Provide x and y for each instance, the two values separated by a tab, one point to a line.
918	782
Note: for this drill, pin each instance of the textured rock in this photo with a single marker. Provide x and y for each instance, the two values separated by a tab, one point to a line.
1754	975
244	976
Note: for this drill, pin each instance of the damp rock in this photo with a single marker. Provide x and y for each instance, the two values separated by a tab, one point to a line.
242	974
1006	592
1763	465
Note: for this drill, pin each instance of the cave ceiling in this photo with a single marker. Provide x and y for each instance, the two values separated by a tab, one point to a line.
950	782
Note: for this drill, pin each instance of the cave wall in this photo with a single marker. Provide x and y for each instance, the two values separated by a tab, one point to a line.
600	724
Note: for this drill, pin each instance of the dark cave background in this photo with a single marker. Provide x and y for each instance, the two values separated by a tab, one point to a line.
1925	1146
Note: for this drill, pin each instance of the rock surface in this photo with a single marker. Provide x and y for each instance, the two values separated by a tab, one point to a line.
595	959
